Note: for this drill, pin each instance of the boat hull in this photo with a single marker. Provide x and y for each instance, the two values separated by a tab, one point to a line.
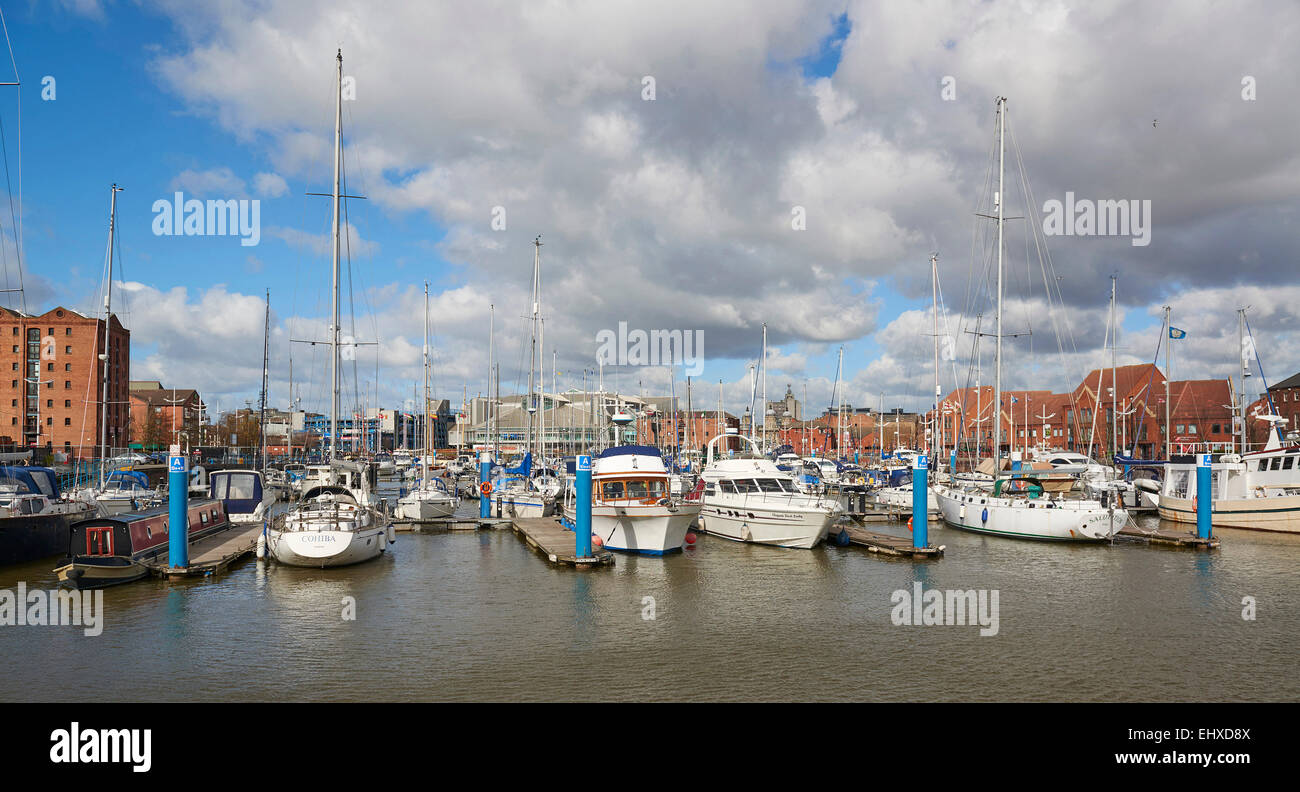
322	549
31	537
424	509
85	572
783	527
1280	514
648	530
1038	520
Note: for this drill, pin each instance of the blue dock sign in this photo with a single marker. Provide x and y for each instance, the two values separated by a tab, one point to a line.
175	464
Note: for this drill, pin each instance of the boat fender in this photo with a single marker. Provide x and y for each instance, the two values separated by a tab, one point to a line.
984	518
842	538
963	512
261	544
392	535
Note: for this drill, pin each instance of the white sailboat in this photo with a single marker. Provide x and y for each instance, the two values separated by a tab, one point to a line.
430	499
337	521
517	493
1015	507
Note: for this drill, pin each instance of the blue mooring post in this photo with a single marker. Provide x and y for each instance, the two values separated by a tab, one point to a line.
484	472
178	510
582	523
1204	499
952	464
920	500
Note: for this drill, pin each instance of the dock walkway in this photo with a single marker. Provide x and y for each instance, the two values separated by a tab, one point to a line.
888	544
449	524
548	537
1162	536
211	555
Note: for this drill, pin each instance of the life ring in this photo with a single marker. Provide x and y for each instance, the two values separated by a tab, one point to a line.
909	523
485	488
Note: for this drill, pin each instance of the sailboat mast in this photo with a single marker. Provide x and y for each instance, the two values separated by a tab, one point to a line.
266	372
532	346
334	326
764	364
491	403
1169	440
108	314
1245	372
997	365
424	458
934	288
1114	384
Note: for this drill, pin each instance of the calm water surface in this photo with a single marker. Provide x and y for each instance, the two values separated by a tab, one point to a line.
479	616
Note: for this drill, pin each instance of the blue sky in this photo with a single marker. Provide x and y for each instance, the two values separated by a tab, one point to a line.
145	99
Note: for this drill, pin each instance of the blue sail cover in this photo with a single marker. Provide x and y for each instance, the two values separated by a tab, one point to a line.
630	450
525	468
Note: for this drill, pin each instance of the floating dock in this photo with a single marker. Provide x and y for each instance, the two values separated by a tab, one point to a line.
450	524
548	537
888	544
1161	536
213	554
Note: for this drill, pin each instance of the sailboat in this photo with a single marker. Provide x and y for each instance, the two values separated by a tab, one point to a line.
337	522
1016	506
517	492
431	499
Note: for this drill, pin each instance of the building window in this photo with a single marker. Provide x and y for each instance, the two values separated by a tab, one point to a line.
1191	428
67	402
67	331
49	402
67	350
49	367
67	367
67	384
67	422
1216	428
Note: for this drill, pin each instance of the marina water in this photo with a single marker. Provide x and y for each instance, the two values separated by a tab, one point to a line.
480	616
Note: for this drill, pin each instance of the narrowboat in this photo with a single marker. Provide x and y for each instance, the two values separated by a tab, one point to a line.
105	551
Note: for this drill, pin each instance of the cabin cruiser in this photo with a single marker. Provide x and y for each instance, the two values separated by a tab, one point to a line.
431	499
123	490
748	499
243	493
107	550
632	505
1258	490
336	523
385	465
35	515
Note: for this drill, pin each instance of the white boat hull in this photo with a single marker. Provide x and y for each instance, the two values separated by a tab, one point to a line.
1280	513
780	527
424	509
1068	521
649	530
327	548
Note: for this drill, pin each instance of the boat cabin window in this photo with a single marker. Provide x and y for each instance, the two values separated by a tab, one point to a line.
235	486
727	485
770	485
203	517
1287	462
1275	463
611	490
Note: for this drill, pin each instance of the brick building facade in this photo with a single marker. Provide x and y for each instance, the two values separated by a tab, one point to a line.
51	397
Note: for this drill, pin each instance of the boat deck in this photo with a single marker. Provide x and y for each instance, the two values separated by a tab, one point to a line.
1168	538
548	537
213	554
449	524
889	545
